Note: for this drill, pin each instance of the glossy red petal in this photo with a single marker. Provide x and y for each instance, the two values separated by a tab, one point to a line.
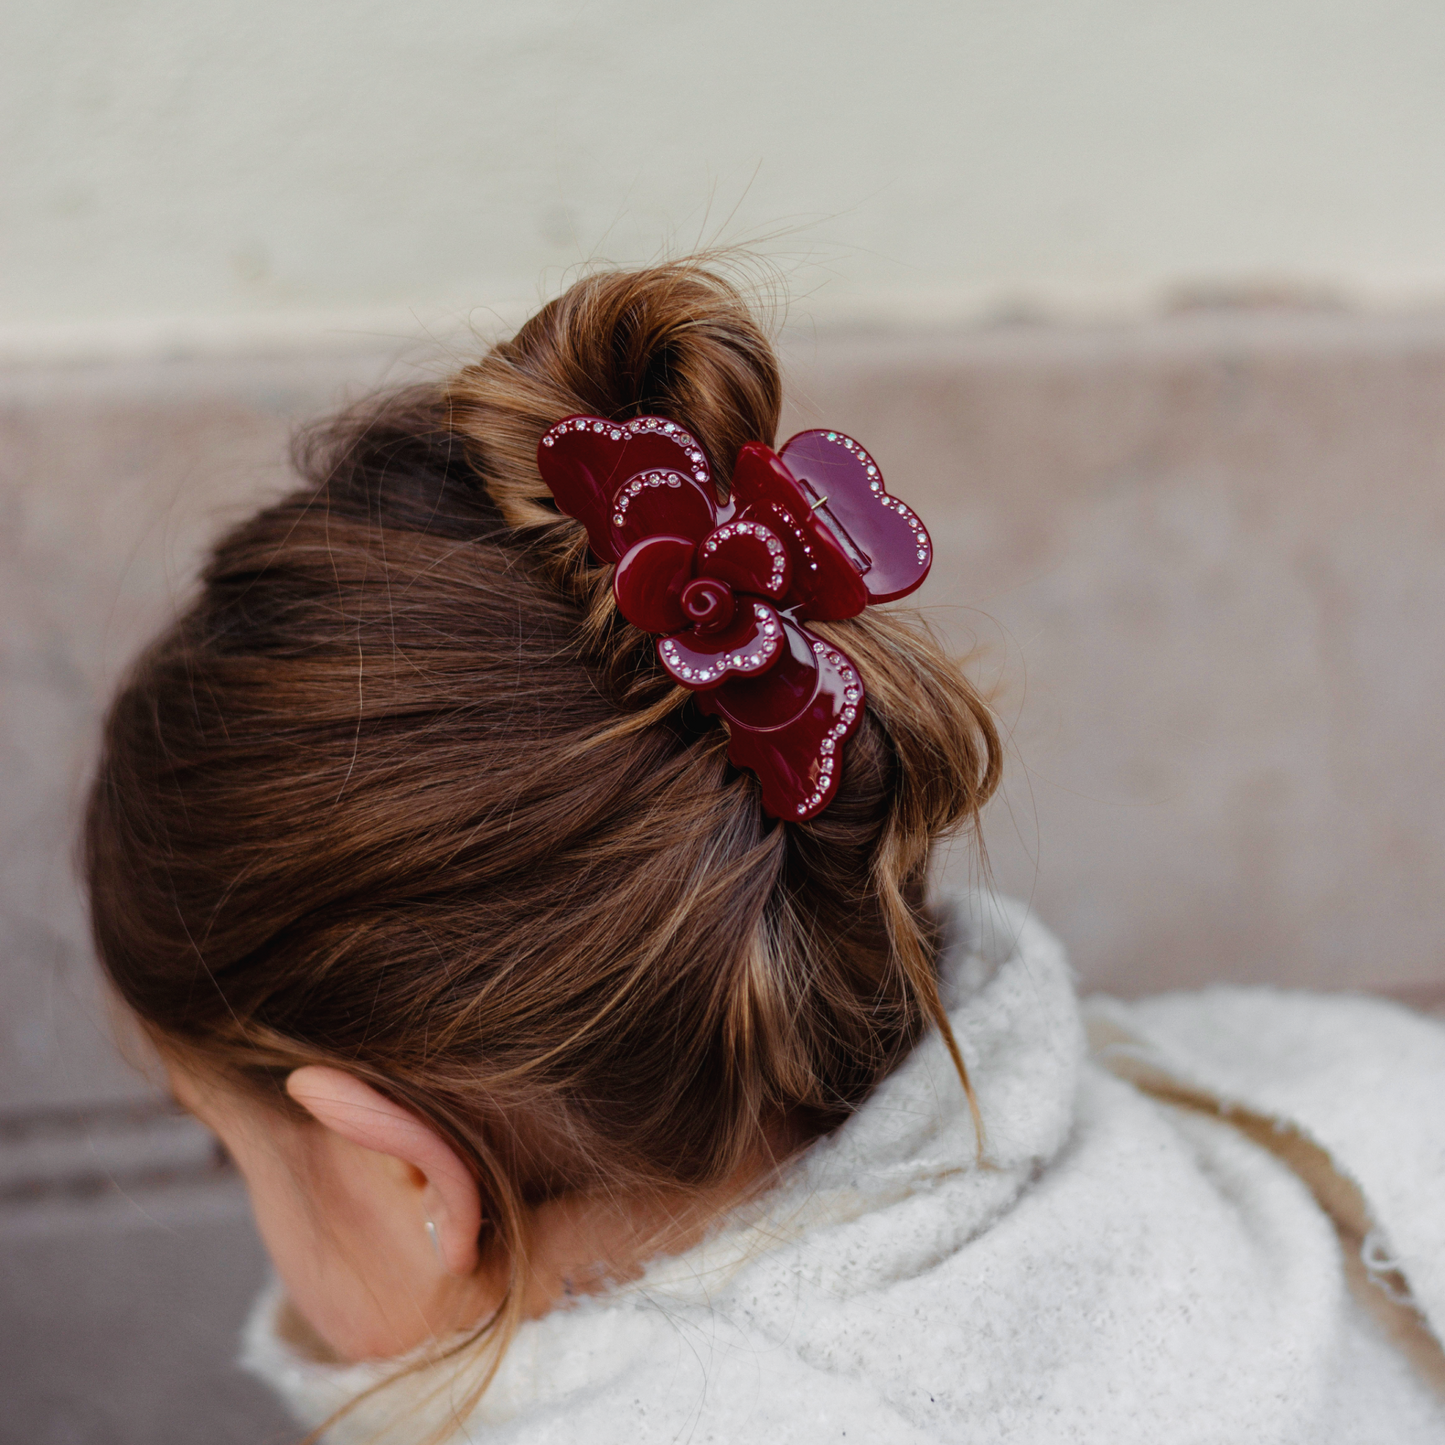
825	583
882	536
789	725
649	580
586	461
661	502
748	556
751	644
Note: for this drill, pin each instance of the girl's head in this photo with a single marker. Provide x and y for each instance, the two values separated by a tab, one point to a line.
402	802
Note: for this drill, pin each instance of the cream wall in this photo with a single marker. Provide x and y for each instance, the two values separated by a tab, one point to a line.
241	169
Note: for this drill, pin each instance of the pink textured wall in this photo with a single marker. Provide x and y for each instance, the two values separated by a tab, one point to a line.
1203	563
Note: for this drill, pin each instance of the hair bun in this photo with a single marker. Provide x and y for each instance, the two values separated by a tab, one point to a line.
675	340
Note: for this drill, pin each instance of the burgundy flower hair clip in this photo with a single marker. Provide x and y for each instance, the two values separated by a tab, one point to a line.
809	533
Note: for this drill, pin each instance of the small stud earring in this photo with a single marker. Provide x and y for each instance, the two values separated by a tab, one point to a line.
436	1241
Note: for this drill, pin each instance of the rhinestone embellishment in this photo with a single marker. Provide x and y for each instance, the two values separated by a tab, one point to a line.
875	485
636	485
616	432
763	534
826	761
762	653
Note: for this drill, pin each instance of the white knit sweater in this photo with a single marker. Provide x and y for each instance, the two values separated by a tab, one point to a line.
1163	1244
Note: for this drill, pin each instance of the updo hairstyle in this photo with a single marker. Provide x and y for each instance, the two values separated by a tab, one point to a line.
401	792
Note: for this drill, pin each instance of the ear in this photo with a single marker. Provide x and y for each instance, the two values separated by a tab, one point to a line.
360	1114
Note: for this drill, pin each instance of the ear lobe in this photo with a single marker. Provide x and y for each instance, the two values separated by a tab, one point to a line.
364	1116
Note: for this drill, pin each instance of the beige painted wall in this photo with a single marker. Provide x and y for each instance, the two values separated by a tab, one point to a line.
195	173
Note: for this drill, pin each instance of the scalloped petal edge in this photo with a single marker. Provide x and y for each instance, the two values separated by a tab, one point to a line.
752	647
799	763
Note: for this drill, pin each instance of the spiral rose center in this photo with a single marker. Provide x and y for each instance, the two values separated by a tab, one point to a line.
708	603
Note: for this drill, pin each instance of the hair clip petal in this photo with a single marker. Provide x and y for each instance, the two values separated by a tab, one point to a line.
790	725
589	463
656	502
650	580
749	643
883	537
749	557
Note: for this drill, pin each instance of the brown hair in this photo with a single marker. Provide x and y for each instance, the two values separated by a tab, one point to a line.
401	792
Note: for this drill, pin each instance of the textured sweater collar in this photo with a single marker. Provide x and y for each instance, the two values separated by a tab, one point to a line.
1011	1002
